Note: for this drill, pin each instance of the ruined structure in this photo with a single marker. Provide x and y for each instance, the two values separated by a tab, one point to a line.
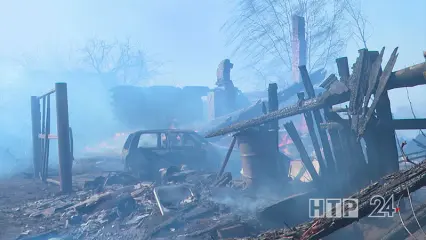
40	119
342	161
223	99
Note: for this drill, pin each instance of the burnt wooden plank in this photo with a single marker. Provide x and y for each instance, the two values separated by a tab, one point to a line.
343	69
355	86
337	95
273	106
333	131
309	88
380	89
372	79
395	185
353	164
307	162
311	129
387	142
408	77
328	81
409	124
373	151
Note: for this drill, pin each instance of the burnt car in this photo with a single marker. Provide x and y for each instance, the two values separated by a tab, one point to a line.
147	151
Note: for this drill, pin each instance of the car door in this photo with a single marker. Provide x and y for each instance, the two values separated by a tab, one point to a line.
126	147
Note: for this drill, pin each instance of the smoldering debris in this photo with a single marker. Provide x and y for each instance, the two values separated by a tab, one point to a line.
113	205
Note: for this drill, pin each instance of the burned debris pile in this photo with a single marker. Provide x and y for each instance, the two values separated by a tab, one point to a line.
398	185
186	205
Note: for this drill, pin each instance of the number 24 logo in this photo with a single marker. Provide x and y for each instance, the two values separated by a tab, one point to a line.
383	208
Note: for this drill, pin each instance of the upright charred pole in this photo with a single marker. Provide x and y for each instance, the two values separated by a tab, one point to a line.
273	106
36	127
64	147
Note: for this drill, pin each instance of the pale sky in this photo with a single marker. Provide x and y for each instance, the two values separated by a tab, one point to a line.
182	33
185	34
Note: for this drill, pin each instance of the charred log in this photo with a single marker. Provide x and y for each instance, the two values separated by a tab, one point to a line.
395	185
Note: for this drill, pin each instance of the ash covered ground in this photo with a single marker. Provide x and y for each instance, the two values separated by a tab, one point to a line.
116	205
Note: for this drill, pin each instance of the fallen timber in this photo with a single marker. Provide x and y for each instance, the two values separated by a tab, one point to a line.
395	185
338	93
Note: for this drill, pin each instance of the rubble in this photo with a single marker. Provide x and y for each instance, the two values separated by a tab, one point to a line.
176	208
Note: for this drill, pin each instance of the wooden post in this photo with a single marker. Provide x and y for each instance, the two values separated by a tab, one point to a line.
228	155
311	128
339	156
309	88
298	44
64	151
273	106
307	162
387	136
35	124
46	141
343	69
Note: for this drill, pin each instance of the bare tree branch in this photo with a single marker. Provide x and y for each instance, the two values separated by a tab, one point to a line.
261	30
358	21
121	60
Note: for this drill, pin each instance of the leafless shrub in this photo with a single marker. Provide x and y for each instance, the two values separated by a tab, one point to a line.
358	22
119	60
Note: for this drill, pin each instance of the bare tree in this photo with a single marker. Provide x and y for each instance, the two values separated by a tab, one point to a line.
121	61
261	30
358	21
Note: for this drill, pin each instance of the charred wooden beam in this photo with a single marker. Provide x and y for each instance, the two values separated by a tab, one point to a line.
337	109
333	130
309	88
408	77
307	162
46	140
372	135
409	124
228	155
372	80
395	185
355	82
273	106
381	88
311	129
331	126
64	146
343	69
372	138
330	80
36	142
251	111
353	164
335	95
389	148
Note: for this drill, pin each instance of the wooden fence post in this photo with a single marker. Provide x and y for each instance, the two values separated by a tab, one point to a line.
64	148
273	106
35	124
